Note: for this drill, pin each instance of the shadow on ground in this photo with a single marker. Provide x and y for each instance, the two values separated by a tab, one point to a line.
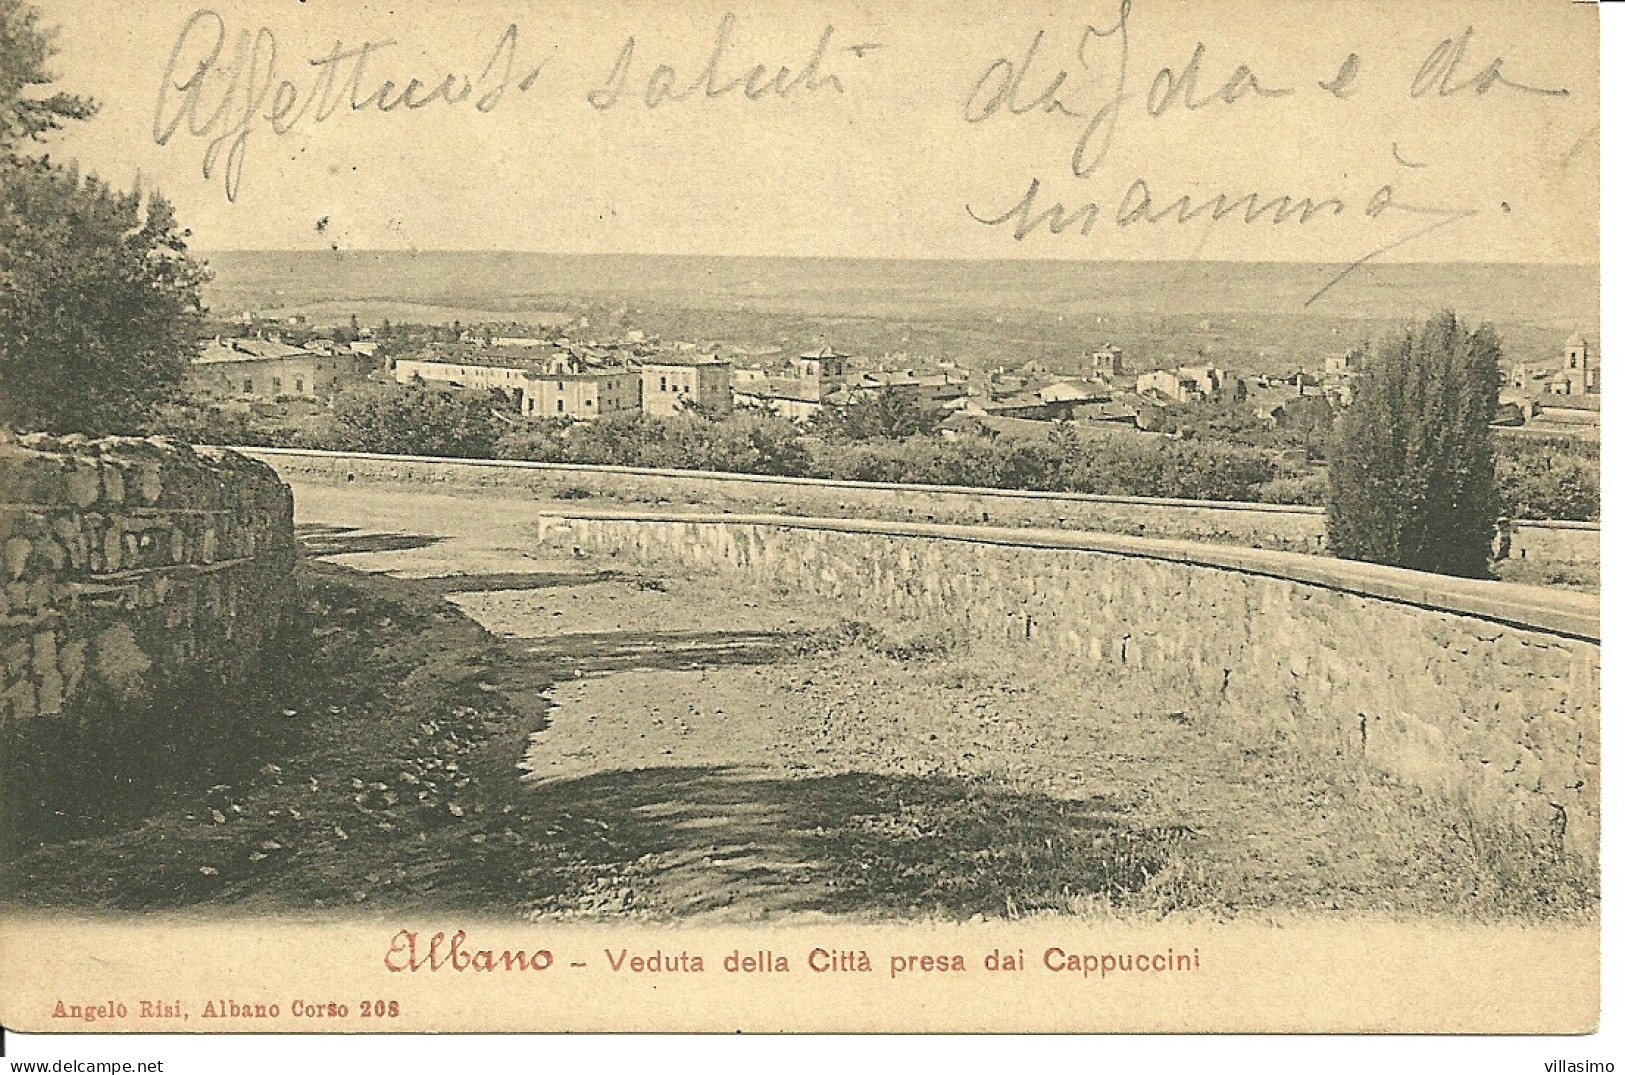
599	652
742	842
393	782
446	585
316	539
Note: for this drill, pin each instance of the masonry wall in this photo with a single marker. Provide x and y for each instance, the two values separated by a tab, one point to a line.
1479	692
1268	526
143	586
1557	542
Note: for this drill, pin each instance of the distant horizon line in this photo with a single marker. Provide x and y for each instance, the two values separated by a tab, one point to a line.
371	251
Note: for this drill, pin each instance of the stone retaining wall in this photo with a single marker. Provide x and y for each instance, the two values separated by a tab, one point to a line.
1480	692
1557	542
1269	526
143	583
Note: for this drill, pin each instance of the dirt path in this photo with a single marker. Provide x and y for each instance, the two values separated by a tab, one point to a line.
741	753
469	721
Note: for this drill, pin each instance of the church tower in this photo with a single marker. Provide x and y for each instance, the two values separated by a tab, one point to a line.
1580	366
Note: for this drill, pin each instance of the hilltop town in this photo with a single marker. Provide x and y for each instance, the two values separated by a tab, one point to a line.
540	389
552	372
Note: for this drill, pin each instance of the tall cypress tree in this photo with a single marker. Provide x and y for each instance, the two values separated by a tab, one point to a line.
1412	479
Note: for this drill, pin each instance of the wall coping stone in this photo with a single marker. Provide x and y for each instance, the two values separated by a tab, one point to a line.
834	483
1558	524
815	483
1557	612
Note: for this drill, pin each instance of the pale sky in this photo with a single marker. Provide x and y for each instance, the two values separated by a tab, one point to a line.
889	165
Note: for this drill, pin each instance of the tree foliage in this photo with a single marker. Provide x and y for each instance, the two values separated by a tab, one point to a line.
27	115
743	443
1412	477
754	444
99	302
1304	422
415	420
99	299
889	412
1558	478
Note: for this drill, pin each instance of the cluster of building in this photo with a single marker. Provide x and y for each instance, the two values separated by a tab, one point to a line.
585	380
581	382
1566	394
811	382
1578	374
559	378
1190	384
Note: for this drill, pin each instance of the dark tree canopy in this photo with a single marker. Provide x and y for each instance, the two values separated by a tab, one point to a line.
418	420
1412	480
891	413
99	300
99	303
27	115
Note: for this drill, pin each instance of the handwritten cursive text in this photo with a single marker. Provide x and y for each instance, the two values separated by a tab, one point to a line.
223	99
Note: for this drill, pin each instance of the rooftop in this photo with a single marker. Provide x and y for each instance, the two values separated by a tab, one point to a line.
249	350
788	388
684	361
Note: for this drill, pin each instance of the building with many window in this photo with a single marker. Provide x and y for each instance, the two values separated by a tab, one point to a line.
583	395
1184	384
1107	362
669	381
823	367
505	376
781	397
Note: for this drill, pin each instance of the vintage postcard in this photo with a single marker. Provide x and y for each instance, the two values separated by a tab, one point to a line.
908	517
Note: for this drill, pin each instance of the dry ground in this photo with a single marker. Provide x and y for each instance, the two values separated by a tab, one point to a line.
480	723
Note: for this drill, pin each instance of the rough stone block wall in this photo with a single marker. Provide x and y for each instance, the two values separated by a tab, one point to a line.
1499	713
141	584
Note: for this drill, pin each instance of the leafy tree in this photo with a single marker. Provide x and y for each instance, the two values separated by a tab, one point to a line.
1412	478
1063	437
889	412
746	443
1307	422
742	443
99	300
1114	467
415	420
1548	479
99	303
203	423
618	440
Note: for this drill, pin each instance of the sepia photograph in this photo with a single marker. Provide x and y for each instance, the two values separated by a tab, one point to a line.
527	516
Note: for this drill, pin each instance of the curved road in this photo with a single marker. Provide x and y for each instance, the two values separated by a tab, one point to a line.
741	753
